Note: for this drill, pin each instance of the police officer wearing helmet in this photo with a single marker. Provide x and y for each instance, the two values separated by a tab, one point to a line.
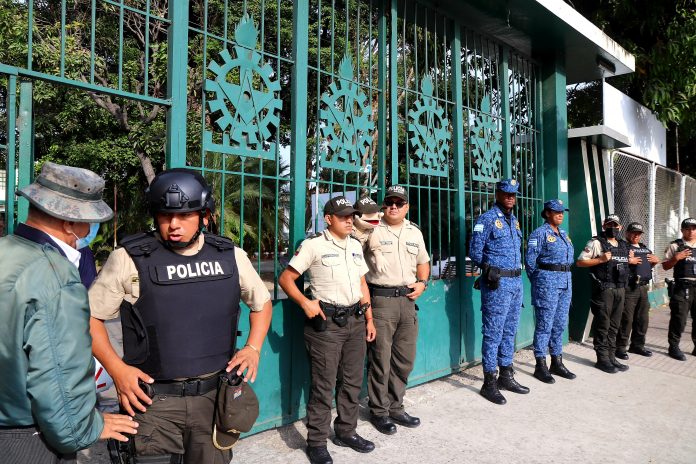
607	256
634	322
548	260
399	269
177	291
495	247
681	255
338	322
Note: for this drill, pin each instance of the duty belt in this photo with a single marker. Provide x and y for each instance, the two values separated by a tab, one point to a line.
686	282
389	291
510	272
330	310
555	267
190	387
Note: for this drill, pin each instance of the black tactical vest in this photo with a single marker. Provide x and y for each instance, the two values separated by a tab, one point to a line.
640	272
185	321
614	271
687	266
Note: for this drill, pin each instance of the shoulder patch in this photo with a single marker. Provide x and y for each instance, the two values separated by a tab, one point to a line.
533	242
297	252
478	228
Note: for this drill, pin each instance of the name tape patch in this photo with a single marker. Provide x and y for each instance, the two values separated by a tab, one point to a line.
194	270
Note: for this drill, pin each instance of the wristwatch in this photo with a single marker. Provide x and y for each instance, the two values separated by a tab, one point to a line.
424	282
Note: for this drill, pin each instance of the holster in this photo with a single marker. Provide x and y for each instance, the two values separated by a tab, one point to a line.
136	348
670	287
492	274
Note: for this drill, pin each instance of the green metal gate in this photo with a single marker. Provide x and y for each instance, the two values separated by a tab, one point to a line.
281	104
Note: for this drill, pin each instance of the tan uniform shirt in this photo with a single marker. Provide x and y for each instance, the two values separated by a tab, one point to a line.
334	268
362	236
403	248
119	280
672	250
593	249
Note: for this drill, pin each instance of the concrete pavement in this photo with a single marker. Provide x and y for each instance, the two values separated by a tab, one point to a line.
644	415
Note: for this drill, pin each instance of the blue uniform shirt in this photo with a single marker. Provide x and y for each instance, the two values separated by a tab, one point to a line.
496	240
546	246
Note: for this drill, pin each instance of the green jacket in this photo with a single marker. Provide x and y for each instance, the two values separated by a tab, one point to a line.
45	346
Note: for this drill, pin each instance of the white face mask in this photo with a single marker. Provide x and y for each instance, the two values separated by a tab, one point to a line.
87	239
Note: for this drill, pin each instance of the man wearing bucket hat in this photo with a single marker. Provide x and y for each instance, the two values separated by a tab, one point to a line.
399	270
496	244
634	321
47	387
178	292
608	257
547	262
681	256
338	322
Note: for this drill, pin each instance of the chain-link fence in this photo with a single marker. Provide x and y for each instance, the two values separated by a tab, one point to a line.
635	182
667	206
689	197
631	195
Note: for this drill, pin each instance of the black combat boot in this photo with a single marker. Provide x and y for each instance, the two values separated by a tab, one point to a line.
490	391
676	353
559	369
541	371
618	365
603	364
506	381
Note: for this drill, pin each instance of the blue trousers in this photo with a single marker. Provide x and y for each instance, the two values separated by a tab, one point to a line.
551	314
501	315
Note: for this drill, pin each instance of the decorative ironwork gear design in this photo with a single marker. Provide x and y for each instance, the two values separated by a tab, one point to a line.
346	122
486	145
429	134
249	110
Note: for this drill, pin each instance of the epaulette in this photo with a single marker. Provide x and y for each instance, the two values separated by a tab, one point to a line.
317	235
140	244
219	242
414	225
355	238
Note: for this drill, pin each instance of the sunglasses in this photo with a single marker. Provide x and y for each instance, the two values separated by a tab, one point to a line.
397	203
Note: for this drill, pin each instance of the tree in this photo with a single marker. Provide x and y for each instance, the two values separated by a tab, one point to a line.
662	36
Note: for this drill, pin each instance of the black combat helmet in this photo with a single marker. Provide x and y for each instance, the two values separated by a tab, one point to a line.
179	190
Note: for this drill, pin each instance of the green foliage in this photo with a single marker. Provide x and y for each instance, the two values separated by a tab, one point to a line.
662	36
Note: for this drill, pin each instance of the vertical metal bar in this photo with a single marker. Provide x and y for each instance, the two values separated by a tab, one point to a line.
30	35
393	95
652	206
26	139
682	197
120	47
146	71
298	153
505	109
177	73
11	182
62	37
92	39
382	103
459	180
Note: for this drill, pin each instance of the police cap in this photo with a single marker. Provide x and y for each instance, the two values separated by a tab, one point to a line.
612	218
508	186
367	205
688	222
555	205
635	227
397	191
340	206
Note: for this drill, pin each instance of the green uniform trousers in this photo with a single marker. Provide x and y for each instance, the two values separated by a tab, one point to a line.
180	425
392	354
337	361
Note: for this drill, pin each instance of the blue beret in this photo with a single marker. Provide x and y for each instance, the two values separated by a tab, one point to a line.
555	205
508	186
